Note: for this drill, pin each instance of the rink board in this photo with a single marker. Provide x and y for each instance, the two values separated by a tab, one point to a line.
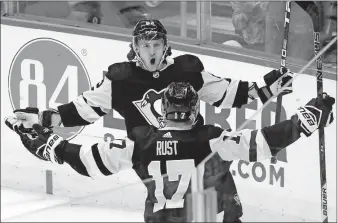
291	187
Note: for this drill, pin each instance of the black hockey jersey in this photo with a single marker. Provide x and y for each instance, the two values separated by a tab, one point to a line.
134	92
152	153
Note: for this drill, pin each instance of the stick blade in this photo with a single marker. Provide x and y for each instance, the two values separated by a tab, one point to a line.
305	5
311	8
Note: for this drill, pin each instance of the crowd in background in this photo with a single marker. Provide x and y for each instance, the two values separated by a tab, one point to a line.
254	25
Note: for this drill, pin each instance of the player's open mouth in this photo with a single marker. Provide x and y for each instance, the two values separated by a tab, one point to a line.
152	61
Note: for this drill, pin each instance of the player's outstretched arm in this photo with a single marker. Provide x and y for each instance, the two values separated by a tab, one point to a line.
255	145
84	110
93	160
89	106
229	93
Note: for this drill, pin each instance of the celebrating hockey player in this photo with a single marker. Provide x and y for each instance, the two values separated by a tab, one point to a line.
132	88
175	149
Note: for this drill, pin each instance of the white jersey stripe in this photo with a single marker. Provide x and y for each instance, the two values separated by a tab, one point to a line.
263	149
229	149
85	111
86	156
116	159
230	94
99	98
213	88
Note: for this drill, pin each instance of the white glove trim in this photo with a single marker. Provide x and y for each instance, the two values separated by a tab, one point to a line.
49	151
308	120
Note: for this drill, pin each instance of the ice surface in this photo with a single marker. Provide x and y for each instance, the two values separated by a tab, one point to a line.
19	206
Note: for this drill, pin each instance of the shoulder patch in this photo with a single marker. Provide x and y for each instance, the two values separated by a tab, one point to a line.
119	71
189	63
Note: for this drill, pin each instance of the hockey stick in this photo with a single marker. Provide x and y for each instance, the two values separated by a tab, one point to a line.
313	10
321	133
283	55
283	62
233	134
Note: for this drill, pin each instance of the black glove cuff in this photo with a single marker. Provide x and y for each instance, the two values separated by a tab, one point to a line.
46	117
59	151
264	93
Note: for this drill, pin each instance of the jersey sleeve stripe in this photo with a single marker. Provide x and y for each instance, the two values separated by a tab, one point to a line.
101	95
253	147
260	145
228	99
242	94
88	107
112	156
101	159
213	89
99	162
218	103
70	115
85	110
87	158
71	155
248	145
264	148
98	110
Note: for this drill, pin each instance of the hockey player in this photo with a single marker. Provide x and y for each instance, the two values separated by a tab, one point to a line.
132	88
175	149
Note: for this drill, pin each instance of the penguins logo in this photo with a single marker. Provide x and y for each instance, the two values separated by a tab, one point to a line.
150	107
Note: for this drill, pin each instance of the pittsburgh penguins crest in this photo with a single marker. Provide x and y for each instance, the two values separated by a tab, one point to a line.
150	107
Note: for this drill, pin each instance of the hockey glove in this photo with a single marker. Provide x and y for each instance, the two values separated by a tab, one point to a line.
272	83
30	116
39	141
16	125
317	113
